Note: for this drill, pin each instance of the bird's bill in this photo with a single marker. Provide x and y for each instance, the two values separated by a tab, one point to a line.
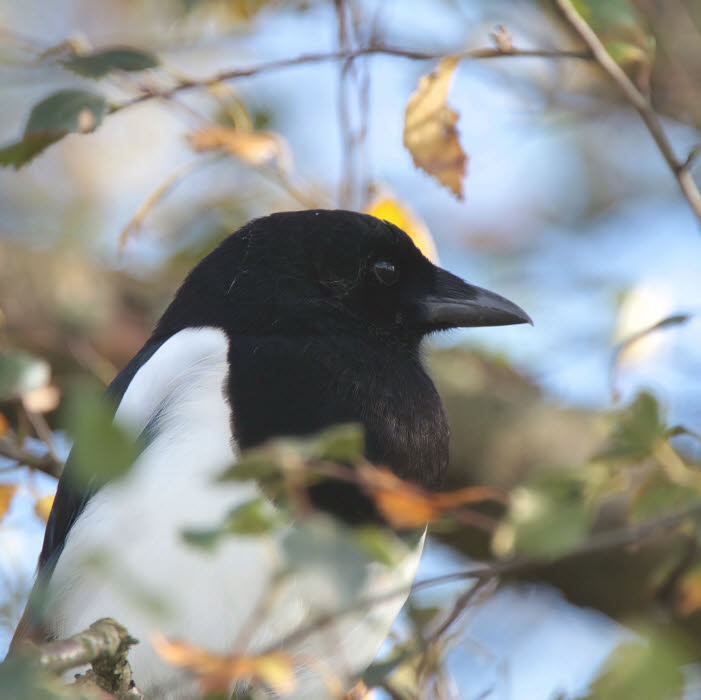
453	303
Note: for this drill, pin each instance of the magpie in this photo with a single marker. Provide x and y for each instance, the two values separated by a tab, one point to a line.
294	323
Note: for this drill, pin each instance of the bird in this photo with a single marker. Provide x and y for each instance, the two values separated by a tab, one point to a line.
296	322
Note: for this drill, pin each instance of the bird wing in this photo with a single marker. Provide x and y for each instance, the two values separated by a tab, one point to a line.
139	393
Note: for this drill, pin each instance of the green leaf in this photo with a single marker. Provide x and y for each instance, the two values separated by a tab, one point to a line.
379	670
650	668
64	112
67	111
253	518
99	63
342	443
661	496
21	372
21	152
622	30
256	517
547	516
102	449
640	429
380	544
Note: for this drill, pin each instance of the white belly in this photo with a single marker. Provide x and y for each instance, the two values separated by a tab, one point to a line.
125	556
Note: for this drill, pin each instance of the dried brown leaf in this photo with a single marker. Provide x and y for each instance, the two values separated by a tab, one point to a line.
216	673
430	133
254	147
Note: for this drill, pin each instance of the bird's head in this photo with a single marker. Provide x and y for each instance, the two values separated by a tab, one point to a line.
319	271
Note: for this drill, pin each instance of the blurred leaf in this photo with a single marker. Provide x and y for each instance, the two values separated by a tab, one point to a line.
7	492
649	668
379	670
421	616
405	505
217	672
397	213
623	347
102	449
4	425
96	64
254	147
22	679
51	119
659	496
688	591
639	430
43	505
380	544
326	553
547	516
20	373
344	444
430	134
621	29
255	517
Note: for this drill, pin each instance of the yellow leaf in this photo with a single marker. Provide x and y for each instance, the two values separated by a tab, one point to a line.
392	210
216	672
430	134
42	506
7	491
254	147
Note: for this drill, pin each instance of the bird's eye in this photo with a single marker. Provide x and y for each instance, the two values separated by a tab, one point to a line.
386	272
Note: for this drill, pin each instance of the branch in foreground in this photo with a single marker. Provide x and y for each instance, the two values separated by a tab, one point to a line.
347	56
104	645
680	169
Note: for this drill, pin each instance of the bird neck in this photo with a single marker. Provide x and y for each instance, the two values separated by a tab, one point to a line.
296	386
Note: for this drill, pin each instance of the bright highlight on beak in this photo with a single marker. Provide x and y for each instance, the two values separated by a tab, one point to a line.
453	303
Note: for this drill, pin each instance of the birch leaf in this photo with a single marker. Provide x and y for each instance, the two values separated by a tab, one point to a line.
430	133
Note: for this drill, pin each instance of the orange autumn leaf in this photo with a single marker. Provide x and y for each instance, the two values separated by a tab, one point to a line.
4	425
430	134
7	492
689	592
217	672
406	505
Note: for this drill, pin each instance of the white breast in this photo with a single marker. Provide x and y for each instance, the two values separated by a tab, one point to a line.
125	556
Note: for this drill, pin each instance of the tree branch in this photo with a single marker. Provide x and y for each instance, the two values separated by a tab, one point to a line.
47	463
269	66
680	169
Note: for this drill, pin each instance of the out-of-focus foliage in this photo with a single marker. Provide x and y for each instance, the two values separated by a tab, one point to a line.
604	505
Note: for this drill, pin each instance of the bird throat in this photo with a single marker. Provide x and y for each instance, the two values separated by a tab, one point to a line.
299	388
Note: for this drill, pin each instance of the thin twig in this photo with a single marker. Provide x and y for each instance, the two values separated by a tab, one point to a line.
46	463
680	169
612	539
223	76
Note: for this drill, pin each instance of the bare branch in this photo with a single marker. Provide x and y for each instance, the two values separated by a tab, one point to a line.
639	101
48	463
269	66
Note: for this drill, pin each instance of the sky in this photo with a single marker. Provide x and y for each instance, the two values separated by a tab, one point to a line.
587	281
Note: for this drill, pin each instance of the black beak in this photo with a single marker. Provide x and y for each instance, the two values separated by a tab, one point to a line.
452	303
